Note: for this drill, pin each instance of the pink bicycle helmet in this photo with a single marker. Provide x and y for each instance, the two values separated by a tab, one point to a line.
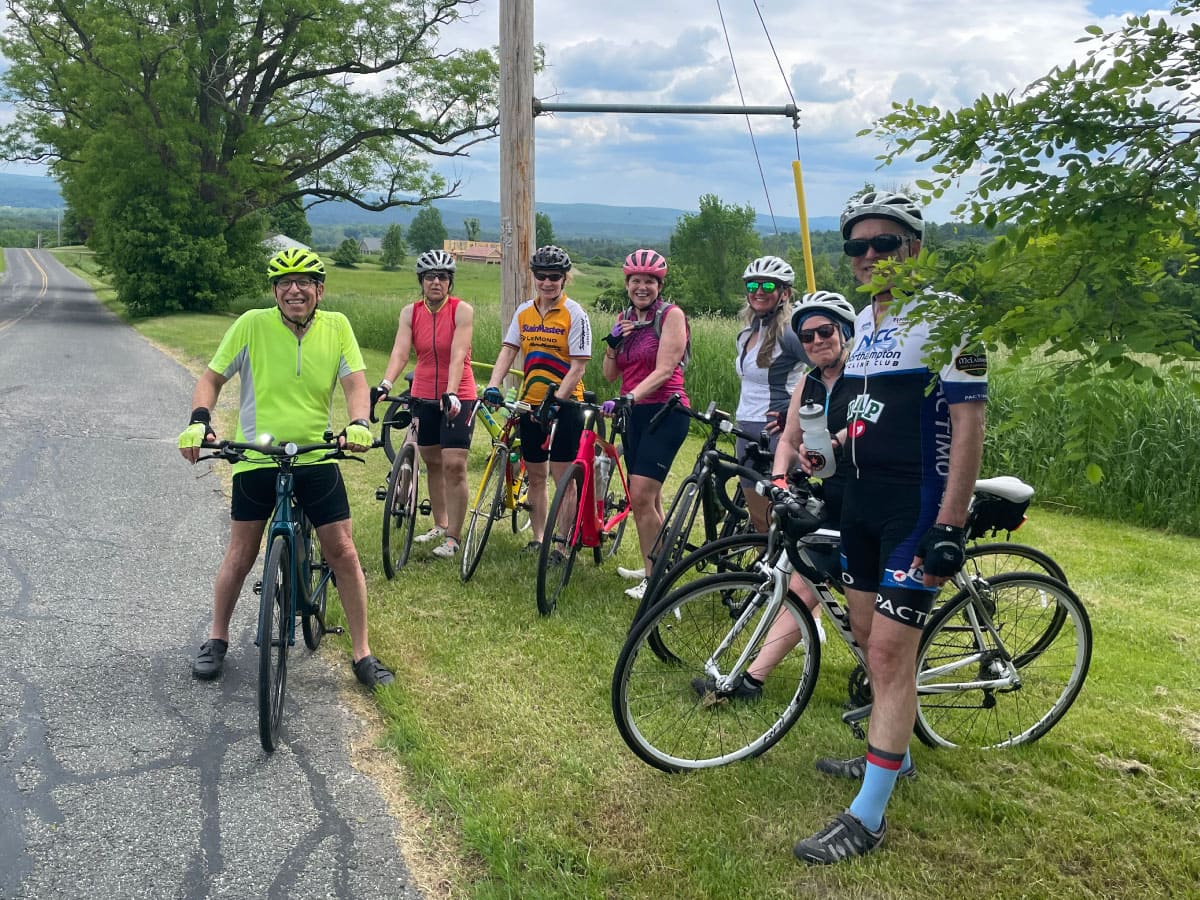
645	262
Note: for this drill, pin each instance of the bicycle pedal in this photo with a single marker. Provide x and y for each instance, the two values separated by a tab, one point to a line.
381	492
258	587
425	507
334	629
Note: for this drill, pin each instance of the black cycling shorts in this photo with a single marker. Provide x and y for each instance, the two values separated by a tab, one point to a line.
881	526
433	428
319	488
566	437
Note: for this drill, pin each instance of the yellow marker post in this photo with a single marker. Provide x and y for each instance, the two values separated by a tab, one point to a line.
805	240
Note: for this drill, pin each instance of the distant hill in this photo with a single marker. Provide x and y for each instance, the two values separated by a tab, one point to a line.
571	220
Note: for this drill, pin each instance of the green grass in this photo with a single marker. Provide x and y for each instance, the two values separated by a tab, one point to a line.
501	725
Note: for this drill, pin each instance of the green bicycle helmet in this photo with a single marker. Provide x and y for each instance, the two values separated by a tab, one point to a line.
295	261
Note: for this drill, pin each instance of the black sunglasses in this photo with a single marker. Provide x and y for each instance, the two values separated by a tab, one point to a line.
881	243
548	276
767	286
824	332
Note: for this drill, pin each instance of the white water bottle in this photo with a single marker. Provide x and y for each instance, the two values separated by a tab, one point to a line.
817	445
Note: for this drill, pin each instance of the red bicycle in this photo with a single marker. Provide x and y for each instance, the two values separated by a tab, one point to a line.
598	477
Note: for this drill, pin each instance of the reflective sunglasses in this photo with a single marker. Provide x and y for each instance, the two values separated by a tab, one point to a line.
436	276
824	332
548	276
767	286
881	243
303	283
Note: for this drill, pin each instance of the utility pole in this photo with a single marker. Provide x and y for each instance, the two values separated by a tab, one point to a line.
516	155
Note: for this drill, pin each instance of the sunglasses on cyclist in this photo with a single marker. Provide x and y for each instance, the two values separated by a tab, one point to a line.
824	332
881	243
767	286
548	276
436	276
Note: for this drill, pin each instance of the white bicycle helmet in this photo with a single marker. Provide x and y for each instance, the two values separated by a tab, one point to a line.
770	268
884	205
829	304
435	261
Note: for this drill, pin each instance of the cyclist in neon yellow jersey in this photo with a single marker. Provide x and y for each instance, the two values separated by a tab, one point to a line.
289	358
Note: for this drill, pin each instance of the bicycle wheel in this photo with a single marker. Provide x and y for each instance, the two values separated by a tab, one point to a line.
553	575
960	660
521	510
274	613
390	428
996	558
616	499
664	717
400	511
489	506
313	623
671	542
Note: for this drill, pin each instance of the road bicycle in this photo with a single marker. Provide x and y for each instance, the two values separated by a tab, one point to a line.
593	497
401	495
296	578
999	663
504	488
703	492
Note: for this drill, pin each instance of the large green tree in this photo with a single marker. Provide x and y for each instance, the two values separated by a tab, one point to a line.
543	229
709	252
1094	170
172	127
392	246
427	231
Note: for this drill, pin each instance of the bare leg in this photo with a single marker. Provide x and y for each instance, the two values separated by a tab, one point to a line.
538	501
337	543
244	541
784	633
645	496
454	475
432	457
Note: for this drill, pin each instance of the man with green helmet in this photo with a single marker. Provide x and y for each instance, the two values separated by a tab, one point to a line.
289	358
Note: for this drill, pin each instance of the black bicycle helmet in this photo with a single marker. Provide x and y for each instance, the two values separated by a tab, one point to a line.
550	259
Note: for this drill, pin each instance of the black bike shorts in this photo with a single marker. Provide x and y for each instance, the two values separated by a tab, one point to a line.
434	428
881	526
319	488
567	431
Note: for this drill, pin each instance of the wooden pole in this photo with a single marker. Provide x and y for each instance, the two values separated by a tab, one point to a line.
516	155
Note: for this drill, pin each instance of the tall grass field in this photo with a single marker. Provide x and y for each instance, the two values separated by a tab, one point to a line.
500	734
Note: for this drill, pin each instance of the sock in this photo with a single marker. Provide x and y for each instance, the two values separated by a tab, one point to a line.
882	771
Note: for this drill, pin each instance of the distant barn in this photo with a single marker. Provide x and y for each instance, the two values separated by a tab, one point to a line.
486	252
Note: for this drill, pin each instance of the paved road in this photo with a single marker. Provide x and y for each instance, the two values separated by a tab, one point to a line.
121	776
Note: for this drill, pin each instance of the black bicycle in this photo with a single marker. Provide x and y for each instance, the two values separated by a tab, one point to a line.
705	493
296	577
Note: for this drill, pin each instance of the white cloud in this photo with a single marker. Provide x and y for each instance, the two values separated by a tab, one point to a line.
845	65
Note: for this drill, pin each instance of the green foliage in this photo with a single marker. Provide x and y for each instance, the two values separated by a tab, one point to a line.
182	123
347	254
543	229
471	228
393	248
288	218
426	232
1094	168
709	251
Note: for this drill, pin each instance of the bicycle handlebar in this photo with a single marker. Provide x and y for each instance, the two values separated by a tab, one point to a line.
235	451
718	420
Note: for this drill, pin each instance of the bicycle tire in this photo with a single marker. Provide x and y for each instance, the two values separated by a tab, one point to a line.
400	510
552	579
735	553
274	609
676	526
1050	677
386	430
313	623
662	716
489	506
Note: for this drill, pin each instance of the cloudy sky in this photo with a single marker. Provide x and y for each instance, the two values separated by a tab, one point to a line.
844	67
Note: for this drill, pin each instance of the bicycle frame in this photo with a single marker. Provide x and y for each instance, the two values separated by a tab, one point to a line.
287	521
589	514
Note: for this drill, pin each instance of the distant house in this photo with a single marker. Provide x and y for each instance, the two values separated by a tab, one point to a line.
486	252
276	242
370	246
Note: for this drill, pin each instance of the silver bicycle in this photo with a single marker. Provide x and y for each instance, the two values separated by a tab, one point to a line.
999	664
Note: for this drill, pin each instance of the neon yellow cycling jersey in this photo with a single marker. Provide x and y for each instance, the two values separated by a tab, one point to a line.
286	382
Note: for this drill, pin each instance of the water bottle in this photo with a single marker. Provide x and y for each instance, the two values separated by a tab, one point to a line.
817	444
603	473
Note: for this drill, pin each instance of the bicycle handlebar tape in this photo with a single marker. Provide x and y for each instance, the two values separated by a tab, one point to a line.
662	413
